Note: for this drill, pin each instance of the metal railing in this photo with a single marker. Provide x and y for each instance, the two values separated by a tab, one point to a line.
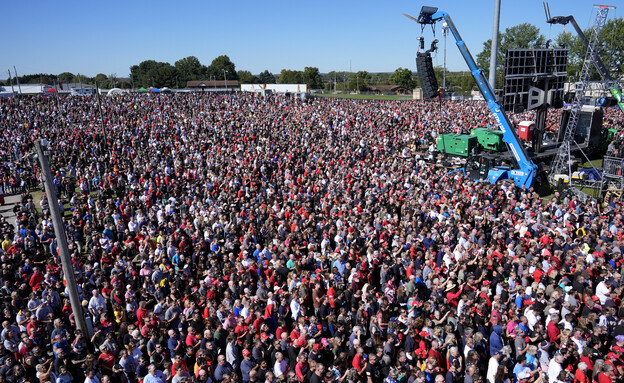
613	167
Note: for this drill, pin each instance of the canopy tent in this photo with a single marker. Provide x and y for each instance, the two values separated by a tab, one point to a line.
166	90
114	91
51	90
155	90
142	90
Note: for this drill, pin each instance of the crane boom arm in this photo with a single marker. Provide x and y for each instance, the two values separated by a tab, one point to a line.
605	75
526	168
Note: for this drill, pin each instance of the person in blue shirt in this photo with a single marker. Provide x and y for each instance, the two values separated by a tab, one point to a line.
247	365
496	341
175	259
519	301
340	264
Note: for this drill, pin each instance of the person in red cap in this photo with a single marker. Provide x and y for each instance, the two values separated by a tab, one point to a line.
247	365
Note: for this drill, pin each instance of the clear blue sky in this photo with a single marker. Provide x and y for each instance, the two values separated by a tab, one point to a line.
91	37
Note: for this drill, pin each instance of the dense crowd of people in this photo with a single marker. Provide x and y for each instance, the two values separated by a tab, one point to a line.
236	238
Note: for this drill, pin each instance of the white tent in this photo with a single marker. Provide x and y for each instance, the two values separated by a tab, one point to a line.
115	91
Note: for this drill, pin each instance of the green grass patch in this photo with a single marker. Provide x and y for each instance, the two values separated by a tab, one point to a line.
597	164
37	195
365	96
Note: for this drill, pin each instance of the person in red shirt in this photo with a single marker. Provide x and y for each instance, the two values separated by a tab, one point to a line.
301	368
434	352
606	376
106	360
141	314
32	327
580	374
191	338
36	279
359	361
331	294
452	294
552	329
178	361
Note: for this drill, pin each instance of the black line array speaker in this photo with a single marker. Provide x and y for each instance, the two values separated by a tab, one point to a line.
426	75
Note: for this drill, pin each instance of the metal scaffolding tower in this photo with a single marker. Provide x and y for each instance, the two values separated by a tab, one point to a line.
562	164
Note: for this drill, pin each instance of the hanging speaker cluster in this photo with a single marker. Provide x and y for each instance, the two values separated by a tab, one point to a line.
426	75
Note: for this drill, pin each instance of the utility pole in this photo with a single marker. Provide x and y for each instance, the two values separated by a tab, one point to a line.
61	239
97	91
11	81
225	79
494	50
445	29
17	79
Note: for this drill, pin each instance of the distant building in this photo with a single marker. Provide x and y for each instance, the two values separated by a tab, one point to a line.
75	89
265	89
69	88
5	91
81	91
389	89
31	88
213	85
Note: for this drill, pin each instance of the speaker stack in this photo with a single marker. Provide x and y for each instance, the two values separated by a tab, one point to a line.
426	75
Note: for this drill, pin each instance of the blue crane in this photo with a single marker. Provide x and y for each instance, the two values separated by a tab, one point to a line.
483	167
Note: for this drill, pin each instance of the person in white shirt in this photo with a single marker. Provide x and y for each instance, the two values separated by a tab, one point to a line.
493	367
96	302
154	375
91	377
603	291
281	366
531	317
578	340
554	368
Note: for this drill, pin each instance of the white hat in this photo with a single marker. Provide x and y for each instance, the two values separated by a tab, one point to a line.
525	374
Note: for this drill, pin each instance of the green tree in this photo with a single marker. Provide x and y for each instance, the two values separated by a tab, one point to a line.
576	51
112	81
359	81
100	79
404	78
66	77
152	73
339	80
521	36
189	68
80	78
312	78
222	66
288	76
382	78
245	77
266	77
611	48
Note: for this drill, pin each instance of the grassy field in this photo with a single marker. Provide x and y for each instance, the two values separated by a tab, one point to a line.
547	192
364	96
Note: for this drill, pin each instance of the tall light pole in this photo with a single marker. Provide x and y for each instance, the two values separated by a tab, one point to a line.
445	29
494	50
225	78
61	239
